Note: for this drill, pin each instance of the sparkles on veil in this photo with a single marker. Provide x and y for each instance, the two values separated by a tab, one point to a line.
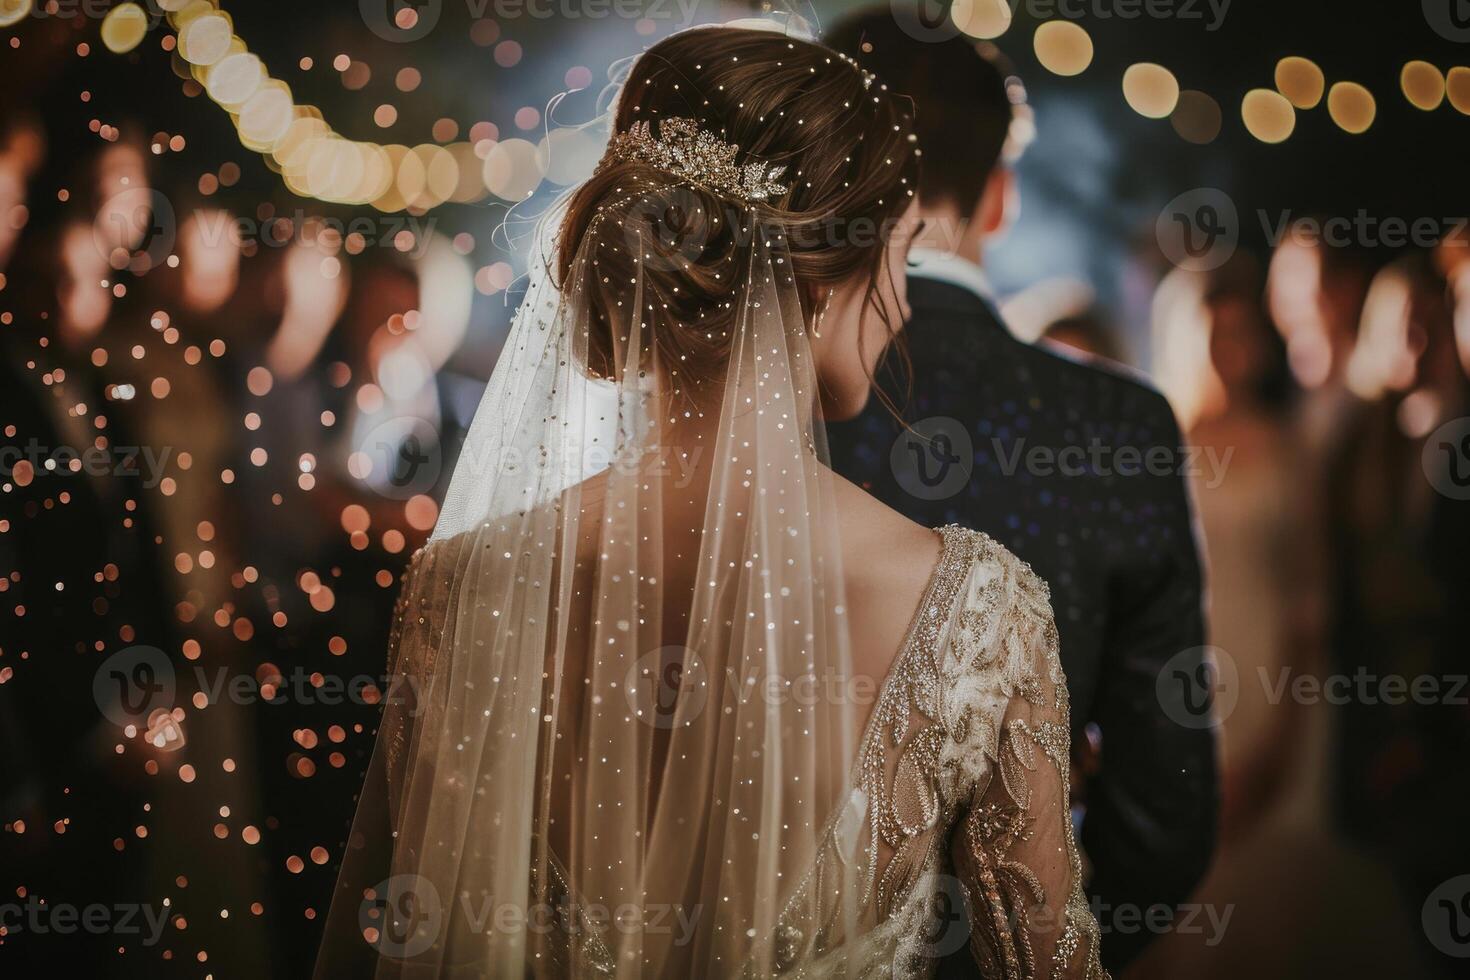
606	750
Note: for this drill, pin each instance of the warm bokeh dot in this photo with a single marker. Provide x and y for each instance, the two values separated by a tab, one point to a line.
1062	47
1300	81
1351	106
1267	115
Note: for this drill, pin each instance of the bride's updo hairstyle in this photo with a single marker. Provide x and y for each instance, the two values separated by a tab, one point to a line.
850	167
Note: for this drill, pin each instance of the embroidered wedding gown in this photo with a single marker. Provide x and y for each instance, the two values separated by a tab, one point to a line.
623	737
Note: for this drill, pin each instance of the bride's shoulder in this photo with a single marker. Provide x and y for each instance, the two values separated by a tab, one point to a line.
880	545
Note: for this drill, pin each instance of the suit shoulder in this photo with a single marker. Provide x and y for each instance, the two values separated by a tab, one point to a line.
1097	387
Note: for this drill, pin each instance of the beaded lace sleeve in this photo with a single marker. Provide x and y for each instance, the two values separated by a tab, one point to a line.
1004	707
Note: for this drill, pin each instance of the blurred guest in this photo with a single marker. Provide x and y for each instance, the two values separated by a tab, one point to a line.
1314	295
1213	351
1400	523
79	583
1452	257
1115	542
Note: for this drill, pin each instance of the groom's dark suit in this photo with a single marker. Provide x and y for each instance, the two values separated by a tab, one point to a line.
1109	531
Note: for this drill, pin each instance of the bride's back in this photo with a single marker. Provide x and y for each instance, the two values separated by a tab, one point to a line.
643	690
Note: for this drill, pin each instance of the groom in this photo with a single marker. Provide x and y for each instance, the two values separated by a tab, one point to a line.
1073	467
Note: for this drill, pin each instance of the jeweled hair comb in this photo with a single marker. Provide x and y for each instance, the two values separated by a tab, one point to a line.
684	150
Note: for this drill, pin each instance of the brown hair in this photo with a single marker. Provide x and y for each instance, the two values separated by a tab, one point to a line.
851	164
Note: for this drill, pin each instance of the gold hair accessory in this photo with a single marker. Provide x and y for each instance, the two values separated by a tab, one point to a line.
685	150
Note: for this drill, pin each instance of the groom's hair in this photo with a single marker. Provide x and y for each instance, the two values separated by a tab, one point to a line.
965	94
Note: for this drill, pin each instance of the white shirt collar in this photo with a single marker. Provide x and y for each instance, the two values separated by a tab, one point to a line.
932	263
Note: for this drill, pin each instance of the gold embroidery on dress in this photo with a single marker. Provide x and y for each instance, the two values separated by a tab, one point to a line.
962	729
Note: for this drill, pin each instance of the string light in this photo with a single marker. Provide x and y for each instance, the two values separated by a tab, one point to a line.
1062	47
1301	81
1150	90
983	20
313	159
124	28
1267	115
1457	89
1423	85
1351	106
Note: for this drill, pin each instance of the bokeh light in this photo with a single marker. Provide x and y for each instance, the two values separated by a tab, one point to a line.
124	28
1197	117
1457	88
1351	106
1150	90
981	19
1267	115
1062	47
1301	81
1423	85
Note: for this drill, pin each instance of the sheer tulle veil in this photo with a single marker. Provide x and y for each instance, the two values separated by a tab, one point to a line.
617	741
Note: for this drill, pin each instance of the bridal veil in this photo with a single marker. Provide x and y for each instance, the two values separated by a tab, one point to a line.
622	721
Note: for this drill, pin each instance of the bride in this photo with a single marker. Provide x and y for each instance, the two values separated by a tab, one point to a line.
673	699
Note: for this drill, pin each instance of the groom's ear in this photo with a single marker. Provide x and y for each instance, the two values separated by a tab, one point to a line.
998	202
